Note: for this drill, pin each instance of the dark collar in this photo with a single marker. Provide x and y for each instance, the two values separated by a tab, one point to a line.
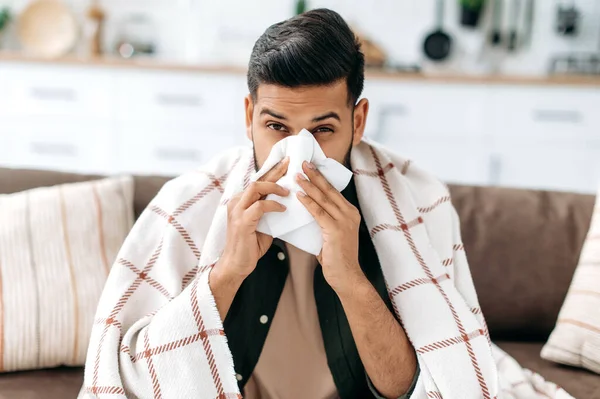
351	195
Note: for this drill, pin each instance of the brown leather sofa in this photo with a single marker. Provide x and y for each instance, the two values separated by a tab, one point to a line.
522	246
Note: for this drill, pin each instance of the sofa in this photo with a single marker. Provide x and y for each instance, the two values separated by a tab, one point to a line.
522	245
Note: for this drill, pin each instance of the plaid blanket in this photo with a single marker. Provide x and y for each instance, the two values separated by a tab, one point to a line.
158	334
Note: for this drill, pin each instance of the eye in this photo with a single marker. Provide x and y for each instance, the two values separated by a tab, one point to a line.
323	129
276	126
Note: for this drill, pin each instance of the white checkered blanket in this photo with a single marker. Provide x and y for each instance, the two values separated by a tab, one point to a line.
158	334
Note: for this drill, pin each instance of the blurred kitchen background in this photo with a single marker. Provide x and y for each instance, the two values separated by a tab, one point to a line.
485	92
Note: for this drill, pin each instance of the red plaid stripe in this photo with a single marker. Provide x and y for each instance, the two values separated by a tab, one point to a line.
113	322
400	221
434	395
385	169
144	276
434	205
151	369
106	390
417	282
448	262
180	229
205	341
450	341
476	310
251	169
399	227
189	276
458	247
216	183
171	345
193	273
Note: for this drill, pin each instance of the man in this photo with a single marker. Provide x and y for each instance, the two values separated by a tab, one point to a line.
308	72
201	305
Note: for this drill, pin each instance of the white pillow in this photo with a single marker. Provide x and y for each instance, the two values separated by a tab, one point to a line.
57	245
576	338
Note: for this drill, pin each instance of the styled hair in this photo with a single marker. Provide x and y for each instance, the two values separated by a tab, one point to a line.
311	49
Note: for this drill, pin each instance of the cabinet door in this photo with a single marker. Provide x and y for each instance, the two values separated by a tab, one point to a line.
56	144
425	109
58	91
172	150
181	98
452	160
550	165
546	113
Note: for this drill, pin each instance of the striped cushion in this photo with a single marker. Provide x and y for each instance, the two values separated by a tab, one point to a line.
576	339
57	245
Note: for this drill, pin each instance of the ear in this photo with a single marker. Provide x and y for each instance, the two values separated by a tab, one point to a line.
249	109
361	111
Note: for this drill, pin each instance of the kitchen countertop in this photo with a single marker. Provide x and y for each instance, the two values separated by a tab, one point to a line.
152	64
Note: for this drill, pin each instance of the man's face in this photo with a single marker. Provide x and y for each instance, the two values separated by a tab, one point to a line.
323	110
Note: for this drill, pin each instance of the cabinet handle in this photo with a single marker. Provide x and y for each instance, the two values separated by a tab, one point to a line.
54	94
560	116
495	169
177	154
55	149
178	100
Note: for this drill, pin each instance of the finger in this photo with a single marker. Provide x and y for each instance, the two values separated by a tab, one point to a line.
258	190
318	196
277	172
233	201
324	219
259	208
321	182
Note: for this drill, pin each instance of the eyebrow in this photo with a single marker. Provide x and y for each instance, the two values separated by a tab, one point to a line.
267	111
327	116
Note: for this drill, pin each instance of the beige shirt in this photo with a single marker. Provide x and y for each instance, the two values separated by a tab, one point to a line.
293	363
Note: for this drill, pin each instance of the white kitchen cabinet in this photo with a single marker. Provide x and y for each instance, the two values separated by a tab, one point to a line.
172	150
31	91
440	127
545	113
185	98
425	109
549	164
66	145
544	137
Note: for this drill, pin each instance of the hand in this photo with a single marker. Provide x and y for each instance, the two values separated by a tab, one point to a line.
339	220
244	245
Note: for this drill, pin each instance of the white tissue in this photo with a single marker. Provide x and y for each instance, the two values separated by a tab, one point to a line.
296	225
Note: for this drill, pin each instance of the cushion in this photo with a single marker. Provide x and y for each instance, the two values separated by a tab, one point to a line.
57	383
523	247
14	180
576	339
581	384
57	245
